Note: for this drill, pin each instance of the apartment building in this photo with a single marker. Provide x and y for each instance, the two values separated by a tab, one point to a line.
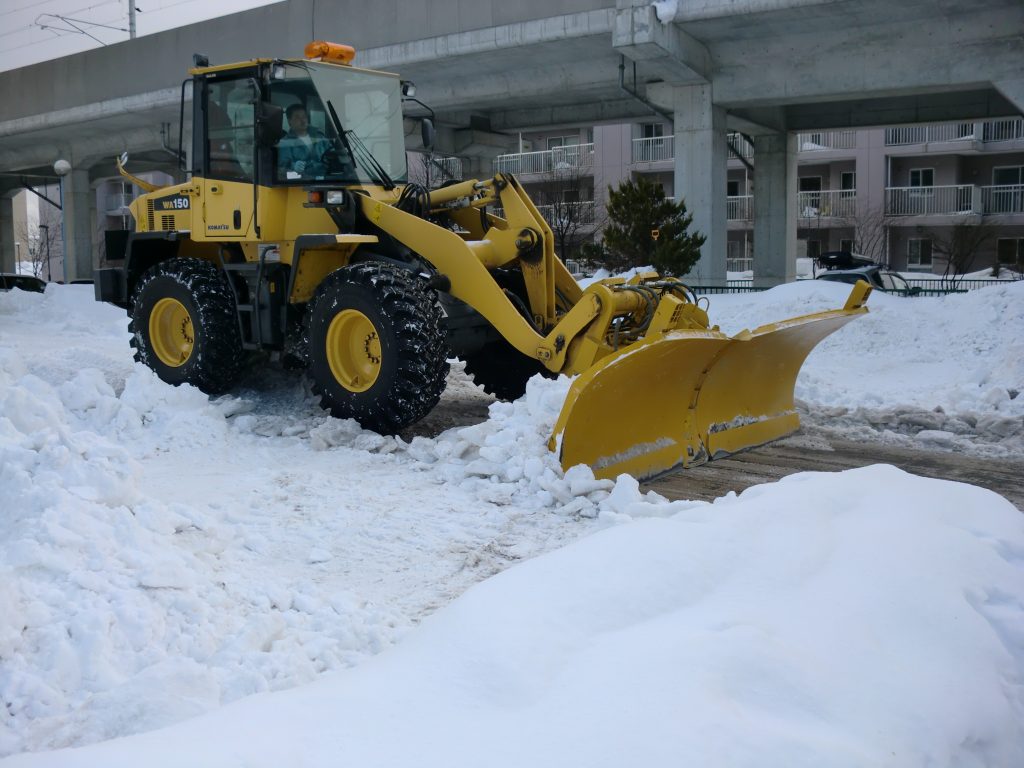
902	195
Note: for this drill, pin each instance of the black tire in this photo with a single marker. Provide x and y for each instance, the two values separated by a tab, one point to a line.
397	326
213	359
502	370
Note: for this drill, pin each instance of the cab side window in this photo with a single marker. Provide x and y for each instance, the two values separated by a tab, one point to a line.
230	130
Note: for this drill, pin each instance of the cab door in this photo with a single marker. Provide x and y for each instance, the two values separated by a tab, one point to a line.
229	154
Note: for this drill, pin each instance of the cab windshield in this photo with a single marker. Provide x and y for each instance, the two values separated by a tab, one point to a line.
368	106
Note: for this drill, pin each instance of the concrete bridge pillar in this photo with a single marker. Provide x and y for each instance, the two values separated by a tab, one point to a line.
775	211
78	204
7	236
700	174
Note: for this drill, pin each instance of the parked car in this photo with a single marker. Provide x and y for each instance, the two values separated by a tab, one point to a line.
845	267
24	282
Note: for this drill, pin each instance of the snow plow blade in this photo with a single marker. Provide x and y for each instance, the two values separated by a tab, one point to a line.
686	397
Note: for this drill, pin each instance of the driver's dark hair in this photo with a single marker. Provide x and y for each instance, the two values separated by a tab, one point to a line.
292	108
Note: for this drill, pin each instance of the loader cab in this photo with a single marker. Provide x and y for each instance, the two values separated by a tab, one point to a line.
355	126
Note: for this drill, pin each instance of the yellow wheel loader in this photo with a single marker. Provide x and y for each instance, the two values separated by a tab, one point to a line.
308	240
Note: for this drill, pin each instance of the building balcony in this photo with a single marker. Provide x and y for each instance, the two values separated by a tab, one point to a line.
573	157
739	208
955	199
653	150
563	215
117	205
960	135
823	141
827	203
582	213
1003	199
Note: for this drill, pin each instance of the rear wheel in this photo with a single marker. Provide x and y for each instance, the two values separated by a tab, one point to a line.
184	325
502	370
377	351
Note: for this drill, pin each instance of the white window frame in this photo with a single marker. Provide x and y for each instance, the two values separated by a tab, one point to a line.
846	244
920	265
1018	168
919	188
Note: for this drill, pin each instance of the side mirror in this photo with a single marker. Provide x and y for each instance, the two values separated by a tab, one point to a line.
428	132
270	124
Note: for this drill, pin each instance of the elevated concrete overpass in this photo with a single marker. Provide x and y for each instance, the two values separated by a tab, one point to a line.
765	67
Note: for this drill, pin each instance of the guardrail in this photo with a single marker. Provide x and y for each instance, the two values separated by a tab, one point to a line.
560	158
928	201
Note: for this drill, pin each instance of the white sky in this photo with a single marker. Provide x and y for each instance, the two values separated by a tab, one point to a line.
30	30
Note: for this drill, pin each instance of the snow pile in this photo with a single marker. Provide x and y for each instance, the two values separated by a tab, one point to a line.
162	554
865	618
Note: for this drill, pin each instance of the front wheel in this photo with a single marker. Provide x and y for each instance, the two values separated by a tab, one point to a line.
185	327
377	349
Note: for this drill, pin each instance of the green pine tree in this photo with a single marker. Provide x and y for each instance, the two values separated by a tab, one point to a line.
644	227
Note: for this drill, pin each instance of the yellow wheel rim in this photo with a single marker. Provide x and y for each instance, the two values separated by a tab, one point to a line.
170	332
353	350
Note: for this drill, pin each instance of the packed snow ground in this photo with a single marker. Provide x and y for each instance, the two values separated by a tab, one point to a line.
162	555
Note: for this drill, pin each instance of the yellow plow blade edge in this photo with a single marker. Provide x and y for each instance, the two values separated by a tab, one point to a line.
686	397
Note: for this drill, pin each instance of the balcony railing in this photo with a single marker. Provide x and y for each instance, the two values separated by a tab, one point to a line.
827	202
653	150
117	205
581	213
744	148
739	208
1007	198
926	134
1003	130
558	159
929	201
825	140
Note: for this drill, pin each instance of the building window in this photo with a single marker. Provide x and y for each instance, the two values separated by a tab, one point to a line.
555	142
846	246
919	253
1008	176
848	182
813	249
652	130
732	189
1010	250
922	177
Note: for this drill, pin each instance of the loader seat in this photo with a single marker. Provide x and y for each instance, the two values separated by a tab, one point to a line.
223	160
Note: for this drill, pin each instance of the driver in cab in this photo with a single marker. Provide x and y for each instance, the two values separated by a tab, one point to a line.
300	153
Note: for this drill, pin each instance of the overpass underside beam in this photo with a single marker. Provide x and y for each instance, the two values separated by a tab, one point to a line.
700	174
